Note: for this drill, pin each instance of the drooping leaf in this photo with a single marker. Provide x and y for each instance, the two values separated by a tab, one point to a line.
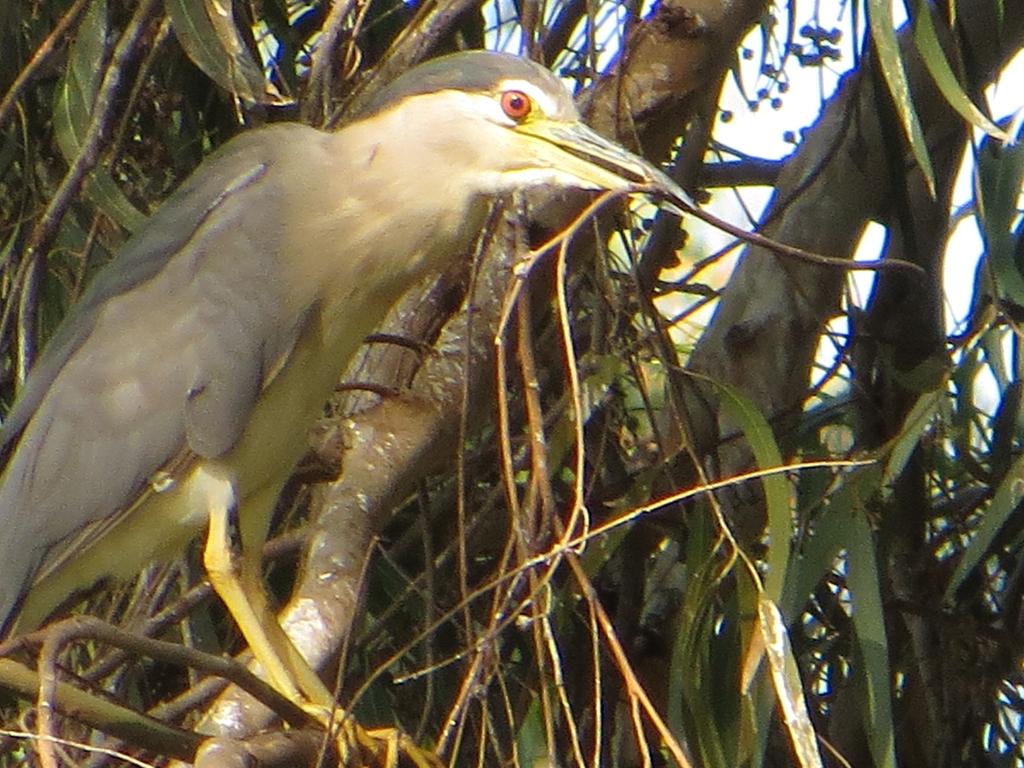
883	35
787	684
72	113
530	741
910	434
927	41
689	668
1004	502
872	643
828	537
777	489
999	173
207	32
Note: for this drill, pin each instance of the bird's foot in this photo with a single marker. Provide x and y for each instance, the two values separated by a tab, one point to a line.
383	748
360	747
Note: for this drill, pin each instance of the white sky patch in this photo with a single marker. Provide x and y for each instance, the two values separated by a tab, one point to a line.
770	98
869	248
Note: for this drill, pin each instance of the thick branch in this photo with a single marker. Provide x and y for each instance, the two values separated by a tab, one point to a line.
399	441
765	331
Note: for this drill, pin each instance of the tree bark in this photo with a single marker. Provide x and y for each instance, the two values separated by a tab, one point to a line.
694	41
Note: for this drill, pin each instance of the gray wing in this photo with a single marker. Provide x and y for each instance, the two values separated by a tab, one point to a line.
167	350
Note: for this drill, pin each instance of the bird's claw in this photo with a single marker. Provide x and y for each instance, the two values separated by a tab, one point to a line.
359	747
383	747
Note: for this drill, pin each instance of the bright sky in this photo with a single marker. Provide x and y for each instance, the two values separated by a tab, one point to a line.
761	134
765	130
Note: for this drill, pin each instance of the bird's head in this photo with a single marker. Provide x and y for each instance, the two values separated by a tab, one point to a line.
501	122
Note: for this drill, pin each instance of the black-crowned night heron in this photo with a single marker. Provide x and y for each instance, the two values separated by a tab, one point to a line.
179	390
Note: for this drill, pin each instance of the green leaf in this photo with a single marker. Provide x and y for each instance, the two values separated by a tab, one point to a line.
690	668
757	702
788	687
8	247
81	80
891	61
742	410
531	742
828	536
927	41
72	114
872	644
1007	496
910	434
998	175
206	30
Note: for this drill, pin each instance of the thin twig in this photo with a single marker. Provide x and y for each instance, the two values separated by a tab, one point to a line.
92	748
88	627
595	659
321	70
46	228
579	514
102	714
636	691
40	57
810	257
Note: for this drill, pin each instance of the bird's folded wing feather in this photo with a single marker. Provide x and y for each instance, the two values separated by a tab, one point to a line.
163	359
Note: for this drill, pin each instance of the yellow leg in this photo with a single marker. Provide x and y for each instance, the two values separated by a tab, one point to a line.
238	581
397	743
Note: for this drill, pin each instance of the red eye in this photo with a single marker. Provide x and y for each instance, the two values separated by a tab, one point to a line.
516	104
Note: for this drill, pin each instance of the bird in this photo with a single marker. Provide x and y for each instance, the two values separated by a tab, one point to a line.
176	396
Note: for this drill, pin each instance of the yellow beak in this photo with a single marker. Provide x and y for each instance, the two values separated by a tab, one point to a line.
601	164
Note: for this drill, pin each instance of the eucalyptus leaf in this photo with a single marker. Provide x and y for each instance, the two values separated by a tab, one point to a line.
999	173
207	32
72	113
927	41
872	644
884	38
777	489
1007	497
